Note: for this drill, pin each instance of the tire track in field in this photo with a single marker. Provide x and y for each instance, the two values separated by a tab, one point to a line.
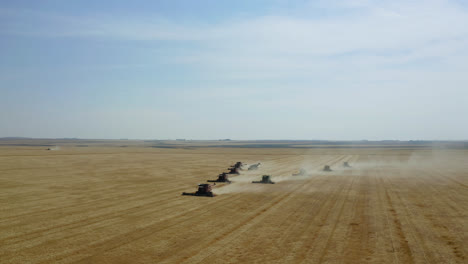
190	221
449	201
126	238
96	219
240	229
311	225
129	210
75	229
291	231
305	216
120	195
201	257
89	221
399	230
327	244
314	228
296	235
86	205
444	232
350	225
333	160
459	183
77	209
194	219
383	206
34	195
251	220
437	176
411	231
288	232
357	233
444	175
53	192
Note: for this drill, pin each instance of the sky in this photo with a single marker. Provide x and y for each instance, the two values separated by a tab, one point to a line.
248	69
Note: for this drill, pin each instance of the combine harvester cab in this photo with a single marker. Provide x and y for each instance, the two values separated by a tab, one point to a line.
254	166
346	165
204	189
301	172
265	179
327	168
223	177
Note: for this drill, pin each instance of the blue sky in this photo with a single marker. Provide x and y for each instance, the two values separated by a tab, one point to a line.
234	69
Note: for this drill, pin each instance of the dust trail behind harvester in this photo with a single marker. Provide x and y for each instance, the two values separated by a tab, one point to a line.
280	170
409	162
54	148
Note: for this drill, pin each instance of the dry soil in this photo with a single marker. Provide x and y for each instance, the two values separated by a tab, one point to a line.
124	205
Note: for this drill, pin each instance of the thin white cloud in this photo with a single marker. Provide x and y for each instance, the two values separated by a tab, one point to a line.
382	35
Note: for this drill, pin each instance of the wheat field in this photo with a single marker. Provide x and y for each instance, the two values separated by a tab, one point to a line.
110	204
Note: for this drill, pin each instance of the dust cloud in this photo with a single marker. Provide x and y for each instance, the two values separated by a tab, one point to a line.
282	172
54	148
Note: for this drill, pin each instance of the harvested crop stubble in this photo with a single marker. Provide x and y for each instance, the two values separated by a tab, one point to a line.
123	205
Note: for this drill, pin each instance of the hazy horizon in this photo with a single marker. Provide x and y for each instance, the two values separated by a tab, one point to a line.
241	140
243	70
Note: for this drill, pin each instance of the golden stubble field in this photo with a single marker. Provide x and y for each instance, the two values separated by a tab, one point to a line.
124	205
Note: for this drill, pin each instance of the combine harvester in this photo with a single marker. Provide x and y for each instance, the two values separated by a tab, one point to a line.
265	179
238	165
326	168
204	189
301	172
254	166
223	177
234	169
346	165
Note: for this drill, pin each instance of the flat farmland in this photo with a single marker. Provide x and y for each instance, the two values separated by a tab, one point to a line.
109	204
